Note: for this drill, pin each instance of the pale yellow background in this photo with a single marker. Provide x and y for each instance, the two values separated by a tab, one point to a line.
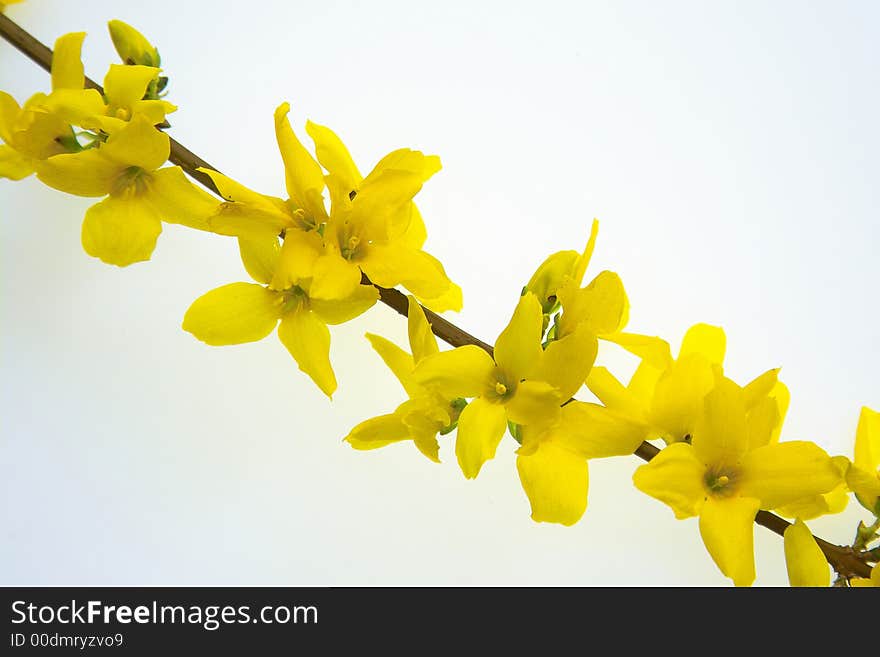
728	148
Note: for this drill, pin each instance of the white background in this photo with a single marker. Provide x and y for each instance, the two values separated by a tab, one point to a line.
729	150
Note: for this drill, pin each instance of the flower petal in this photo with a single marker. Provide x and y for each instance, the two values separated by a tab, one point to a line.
534	402
334	277
304	178
179	201
613	393
566	362
421	339
339	311
804	559
378	432
462	372
121	231
727	528
138	144
333	155
675	477
704	339
721	434
125	84
259	256
67	66
481	427
398	361
233	314
296	261
678	396
602	305
88	173
396	263
556	482
518	348
867	450
786	472
649	348
308	341
593	431
13	165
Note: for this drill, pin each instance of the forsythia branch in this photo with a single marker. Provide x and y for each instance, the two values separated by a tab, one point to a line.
846	561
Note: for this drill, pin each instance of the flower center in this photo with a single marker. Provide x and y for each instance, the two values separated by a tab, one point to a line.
720	482
132	181
292	298
500	389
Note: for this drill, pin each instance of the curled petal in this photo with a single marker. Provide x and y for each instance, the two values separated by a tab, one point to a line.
675	477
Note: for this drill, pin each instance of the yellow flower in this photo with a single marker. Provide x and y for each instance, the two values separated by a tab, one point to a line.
722	478
863	476
426	412
522	384
552	462
132	46
559	270
804	560
667	394
874	581
248	312
123	228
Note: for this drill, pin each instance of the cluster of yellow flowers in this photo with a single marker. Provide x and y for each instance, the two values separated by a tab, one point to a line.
722	460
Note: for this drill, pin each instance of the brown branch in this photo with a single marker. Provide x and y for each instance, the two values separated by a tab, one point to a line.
846	561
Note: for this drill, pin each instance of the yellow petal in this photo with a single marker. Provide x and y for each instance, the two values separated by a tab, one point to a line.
643	382
121	231
866	486
760	387
534	402
462	372
557	270
593	431
333	155
556	483
308	341
154	110
138	144
613	393
235	192
675	477
125	85
481	427
334	277
421	339
721	434
378	432
602	306
303	175
587	254
651	349
518	348
412	231
786	472
84	174
762	419
397	360
804	559
379	200
566	362
706	340
67	66
406	159
178	200
9	113
233	314
131	45
259	257
449	300
814	506
296	262
427	444
678	396
14	165
726	525
339	311
867	450
396	263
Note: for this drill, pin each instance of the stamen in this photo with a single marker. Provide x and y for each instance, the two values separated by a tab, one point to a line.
500	388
